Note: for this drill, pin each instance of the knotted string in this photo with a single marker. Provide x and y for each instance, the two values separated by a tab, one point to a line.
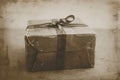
55	23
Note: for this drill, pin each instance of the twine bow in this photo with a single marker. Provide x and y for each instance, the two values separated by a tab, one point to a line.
63	21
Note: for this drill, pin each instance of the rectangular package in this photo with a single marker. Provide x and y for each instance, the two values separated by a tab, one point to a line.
51	48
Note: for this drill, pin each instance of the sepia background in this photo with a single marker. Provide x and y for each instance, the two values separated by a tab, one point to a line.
101	15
